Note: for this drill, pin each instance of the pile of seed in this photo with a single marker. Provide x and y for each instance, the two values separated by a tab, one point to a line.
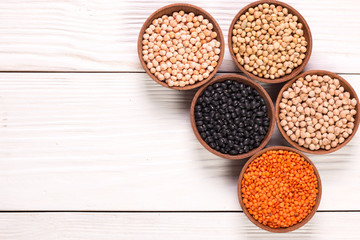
181	49
231	117
269	41
279	188
317	113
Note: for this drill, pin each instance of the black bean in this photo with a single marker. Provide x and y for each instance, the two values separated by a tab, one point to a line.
233	152
231	117
247	105
203	135
198	115
216	85
260	113
209	139
262	130
231	108
246	149
244	93
254	104
258	121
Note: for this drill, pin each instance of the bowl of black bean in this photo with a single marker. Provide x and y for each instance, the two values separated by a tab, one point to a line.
232	116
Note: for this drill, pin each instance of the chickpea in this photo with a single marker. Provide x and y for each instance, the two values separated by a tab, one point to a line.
181	49
324	112
283	45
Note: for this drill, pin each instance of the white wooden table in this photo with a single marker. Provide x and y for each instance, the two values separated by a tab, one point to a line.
92	148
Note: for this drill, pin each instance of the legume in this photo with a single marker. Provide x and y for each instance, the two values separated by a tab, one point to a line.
181	49
231	117
269	41
317	112
279	188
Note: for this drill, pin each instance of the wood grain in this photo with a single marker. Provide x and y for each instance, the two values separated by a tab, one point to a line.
96	35
108	226
81	141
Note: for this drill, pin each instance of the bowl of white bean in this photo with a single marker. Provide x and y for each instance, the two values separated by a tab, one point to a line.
317	112
270	41
181	46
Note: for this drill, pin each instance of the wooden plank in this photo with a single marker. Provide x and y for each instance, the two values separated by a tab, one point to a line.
49	226
77	141
101	35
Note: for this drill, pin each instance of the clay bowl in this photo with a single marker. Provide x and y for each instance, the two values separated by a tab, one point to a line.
262	93
347	88
169	9
296	226
307	35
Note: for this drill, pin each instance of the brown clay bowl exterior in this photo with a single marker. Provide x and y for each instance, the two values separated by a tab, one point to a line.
296	226
307	35
169	9
346	86
262	93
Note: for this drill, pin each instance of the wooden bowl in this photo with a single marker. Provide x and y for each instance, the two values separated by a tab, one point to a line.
262	93
307	35
296	226
347	88
168	10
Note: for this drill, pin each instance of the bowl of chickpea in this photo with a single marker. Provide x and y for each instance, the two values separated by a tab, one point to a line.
270	41
181	46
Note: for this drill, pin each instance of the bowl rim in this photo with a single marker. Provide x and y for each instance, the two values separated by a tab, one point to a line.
262	92
346	86
306	29
297	225
179	6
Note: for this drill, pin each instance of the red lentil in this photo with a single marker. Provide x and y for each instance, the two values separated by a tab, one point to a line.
279	188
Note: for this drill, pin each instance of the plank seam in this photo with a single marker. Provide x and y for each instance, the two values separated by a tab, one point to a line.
339	73
115	211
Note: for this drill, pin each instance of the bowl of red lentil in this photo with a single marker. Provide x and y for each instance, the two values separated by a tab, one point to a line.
270	41
317	112
279	189
181	46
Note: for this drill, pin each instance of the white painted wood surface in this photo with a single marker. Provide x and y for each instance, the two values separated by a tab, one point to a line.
101	135
97	141
143	226
100	35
